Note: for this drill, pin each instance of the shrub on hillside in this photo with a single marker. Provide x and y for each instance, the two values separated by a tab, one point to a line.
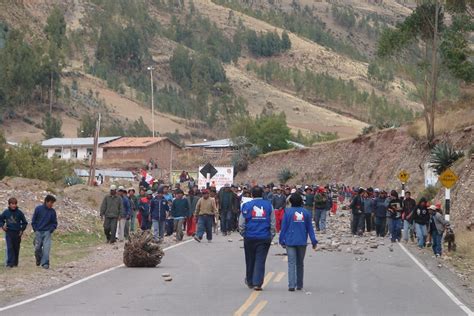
28	161
429	193
285	174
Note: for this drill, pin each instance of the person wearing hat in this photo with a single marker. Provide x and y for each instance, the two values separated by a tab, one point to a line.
205	212
110	211
436	228
159	212
124	222
179	212
144	209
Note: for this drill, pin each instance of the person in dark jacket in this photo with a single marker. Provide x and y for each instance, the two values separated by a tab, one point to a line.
159	212
44	223
226	202
409	207
179	212
14	223
357	224
257	227
380	214
191	220
395	208
279	203
421	218
144	209
368	206
124	222
296	227
110	211
320	209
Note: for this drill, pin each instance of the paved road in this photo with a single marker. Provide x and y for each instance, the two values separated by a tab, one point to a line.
208	280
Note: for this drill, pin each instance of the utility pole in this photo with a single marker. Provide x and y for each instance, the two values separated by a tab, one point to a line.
51	96
94	153
151	68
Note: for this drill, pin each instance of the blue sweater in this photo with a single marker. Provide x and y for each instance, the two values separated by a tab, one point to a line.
127	208
44	219
296	227
14	219
380	206
257	219
159	207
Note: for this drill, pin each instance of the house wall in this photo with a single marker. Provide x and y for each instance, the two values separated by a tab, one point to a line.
81	152
159	152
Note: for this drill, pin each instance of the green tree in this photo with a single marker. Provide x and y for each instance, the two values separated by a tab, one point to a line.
424	32
285	41
181	66
87	127
52	126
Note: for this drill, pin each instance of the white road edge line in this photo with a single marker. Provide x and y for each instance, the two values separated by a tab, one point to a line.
438	282
77	282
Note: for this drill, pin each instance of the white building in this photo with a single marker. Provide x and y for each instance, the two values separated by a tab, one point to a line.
75	148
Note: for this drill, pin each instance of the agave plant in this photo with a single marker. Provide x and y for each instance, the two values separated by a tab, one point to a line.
444	156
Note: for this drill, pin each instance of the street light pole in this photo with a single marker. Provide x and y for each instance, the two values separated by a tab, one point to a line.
150	68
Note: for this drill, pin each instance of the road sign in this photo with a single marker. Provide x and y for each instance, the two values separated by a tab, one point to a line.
208	168
403	176
448	178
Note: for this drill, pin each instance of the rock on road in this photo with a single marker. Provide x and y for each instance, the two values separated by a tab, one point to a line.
207	279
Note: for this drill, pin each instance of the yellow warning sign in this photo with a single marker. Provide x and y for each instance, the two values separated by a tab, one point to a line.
448	178
403	176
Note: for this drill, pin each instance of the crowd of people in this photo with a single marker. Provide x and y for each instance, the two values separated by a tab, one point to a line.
256	212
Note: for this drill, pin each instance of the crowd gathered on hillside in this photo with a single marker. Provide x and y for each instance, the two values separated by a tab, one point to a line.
256	212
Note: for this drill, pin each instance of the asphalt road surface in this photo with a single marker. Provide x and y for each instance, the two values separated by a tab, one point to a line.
208	280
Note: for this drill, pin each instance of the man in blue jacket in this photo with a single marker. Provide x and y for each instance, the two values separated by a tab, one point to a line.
44	223
159	212
295	229
257	227
14	223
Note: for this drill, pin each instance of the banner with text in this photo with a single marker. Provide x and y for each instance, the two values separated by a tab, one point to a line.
224	175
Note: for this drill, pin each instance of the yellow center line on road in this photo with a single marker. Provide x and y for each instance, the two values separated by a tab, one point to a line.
279	277
253	296
258	308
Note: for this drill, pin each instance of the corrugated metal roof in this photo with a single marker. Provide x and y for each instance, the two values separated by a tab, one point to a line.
81	141
106	173
220	143
136	142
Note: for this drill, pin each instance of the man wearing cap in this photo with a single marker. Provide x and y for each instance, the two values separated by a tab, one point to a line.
179	212
124	222
144	208
205	212
159	212
110	211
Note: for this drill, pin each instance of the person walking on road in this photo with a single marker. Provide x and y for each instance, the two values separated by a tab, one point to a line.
421	218
159	212
368	206
179	211
279	203
257	227
110	211
320	206
134	205
44	223
13	223
437	226
124	221
226	203
357	214
395	205
380	214
192	199
409	207
296	227
144	209
205	213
